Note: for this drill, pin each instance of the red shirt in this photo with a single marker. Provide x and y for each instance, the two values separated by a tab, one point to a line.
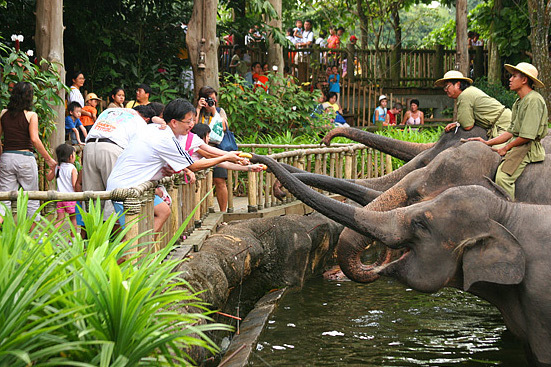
260	80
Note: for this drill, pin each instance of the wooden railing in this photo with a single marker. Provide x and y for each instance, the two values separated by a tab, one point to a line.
340	160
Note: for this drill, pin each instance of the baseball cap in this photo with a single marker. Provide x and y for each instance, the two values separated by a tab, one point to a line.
382	97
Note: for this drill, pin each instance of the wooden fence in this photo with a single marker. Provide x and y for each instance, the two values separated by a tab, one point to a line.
341	160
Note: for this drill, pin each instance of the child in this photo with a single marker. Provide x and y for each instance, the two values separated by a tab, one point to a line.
379	116
334	82
89	112
297	31
391	115
72	122
66	176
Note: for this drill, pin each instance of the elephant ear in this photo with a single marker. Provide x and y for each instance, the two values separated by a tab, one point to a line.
494	257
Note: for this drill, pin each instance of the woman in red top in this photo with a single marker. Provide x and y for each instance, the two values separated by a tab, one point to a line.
19	125
333	41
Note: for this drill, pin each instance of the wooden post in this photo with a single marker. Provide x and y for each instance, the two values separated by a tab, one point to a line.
210	198
478	62
388	164
229	184
251	192
350	67
196	200
348	165
438	62
132	206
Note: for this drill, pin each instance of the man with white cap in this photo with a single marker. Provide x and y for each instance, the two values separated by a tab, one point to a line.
528	126
474	107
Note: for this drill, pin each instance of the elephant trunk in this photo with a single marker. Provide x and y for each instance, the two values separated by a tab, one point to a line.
396	148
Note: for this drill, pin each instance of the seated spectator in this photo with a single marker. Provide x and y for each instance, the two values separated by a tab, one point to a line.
260	80
379	115
91	115
143	92
116	98
391	115
332	107
72	124
414	116
153	150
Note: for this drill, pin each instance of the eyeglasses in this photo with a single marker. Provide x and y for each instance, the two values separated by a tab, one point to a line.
447	87
188	121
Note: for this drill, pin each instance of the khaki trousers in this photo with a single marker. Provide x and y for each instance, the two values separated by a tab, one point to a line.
18	170
508	182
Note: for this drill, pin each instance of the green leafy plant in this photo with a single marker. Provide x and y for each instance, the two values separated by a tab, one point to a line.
505	96
80	304
46	81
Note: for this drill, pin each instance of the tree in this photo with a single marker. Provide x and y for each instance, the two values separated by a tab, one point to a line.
275	51
462	58
540	21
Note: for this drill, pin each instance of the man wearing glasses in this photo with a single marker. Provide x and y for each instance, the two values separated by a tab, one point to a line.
474	107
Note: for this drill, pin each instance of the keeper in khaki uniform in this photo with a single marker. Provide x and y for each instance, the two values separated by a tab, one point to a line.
474	107
528	127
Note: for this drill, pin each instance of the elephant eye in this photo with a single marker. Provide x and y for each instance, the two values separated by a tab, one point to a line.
419	225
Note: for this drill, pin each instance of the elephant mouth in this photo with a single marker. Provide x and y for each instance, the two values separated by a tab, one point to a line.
390	265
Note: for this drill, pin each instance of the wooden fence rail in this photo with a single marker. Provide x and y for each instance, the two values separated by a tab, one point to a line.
342	160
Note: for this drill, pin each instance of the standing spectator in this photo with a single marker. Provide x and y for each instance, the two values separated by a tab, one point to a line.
66	175
414	116
334	41
73	124
392	113
340	32
18	167
290	37
379	116
334	82
238	65
306	41
143	92
322	43
249	39
91	104
77	83
117	98
353	40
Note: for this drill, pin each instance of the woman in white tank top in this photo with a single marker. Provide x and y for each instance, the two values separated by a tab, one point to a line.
414	116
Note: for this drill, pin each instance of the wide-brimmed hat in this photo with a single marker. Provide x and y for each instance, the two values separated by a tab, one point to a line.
527	69
382	97
90	96
452	75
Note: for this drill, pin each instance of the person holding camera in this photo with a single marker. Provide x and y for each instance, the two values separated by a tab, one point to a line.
209	113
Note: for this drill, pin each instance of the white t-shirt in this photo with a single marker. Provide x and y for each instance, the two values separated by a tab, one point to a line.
322	42
196	142
64	179
76	96
308	36
146	155
117	124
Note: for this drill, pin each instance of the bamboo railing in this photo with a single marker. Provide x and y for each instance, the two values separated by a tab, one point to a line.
340	160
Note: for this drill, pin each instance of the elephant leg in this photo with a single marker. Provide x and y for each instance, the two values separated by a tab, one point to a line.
359	194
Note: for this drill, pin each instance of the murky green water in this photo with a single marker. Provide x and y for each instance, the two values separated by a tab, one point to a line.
384	324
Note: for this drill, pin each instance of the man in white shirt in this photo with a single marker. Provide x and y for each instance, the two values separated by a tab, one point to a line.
155	148
306	41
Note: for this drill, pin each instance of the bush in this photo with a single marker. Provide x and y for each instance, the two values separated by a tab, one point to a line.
505	96
74	304
287	107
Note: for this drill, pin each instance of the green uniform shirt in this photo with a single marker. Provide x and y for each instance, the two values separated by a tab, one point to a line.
530	122
474	107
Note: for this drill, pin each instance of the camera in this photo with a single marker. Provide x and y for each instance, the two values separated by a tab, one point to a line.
210	101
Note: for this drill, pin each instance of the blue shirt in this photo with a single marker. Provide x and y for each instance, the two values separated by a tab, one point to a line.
334	86
70	124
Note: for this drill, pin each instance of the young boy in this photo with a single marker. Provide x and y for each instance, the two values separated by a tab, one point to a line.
379	116
89	112
72	122
391	115
334	82
297	31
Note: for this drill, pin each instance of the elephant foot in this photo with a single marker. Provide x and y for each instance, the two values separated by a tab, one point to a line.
335	273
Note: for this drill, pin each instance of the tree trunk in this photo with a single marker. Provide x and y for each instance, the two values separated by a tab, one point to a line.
202	44
49	46
540	21
396	55
275	52
494	60
462	58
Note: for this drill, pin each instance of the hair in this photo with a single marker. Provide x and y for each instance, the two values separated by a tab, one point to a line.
114	92
299	20
398	106
265	64
206	91
253	65
463	84
63	152
146	88
290	30
331	95
177	110
470	34
158	107
309	21
71	106
323	33
146	111
237	47
340	29
529	81
332	27
21	98
416	101
201	130
75	75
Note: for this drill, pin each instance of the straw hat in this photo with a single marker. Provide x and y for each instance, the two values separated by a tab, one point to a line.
90	96
451	75
527	69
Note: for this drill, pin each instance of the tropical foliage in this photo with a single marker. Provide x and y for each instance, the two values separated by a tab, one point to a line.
79	303
15	67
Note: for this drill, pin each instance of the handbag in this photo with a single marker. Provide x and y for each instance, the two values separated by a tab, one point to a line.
228	143
216	129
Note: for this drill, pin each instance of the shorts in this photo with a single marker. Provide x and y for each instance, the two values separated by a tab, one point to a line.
119	209
66	207
219	172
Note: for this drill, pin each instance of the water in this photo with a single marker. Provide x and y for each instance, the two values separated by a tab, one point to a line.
332	323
